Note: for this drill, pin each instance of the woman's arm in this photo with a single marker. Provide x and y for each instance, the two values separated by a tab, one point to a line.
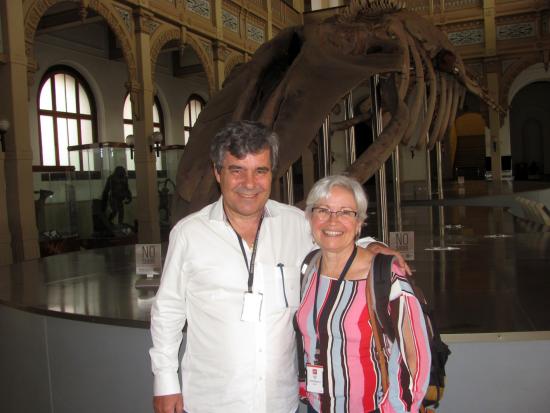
410	353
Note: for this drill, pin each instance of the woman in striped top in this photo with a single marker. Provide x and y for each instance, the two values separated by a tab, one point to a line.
340	353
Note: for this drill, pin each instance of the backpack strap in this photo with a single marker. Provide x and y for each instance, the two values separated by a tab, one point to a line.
382	362
378	297
381	285
307	269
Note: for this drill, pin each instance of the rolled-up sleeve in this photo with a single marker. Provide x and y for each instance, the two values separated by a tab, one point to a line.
412	350
168	317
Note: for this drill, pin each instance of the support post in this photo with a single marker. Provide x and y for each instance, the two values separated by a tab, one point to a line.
381	191
146	174
19	196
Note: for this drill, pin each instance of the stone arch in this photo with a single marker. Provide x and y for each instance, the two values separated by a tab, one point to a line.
164	36
232	61
38	8
511	74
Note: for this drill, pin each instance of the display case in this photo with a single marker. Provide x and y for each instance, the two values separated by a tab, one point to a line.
105	191
166	181
55	209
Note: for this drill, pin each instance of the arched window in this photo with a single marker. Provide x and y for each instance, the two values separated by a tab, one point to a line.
158	126
190	115
66	116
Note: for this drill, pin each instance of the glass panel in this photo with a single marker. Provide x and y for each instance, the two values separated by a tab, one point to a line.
185	137
48	143
86	131
72	130
156	117
186	116
127	112
84	102
63	141
158	161
87	160
60	103
196	109
130	163
75	159
193	112
70	93
46	96
128	130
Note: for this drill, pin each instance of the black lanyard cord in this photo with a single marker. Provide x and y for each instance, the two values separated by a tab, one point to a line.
317	317
250	268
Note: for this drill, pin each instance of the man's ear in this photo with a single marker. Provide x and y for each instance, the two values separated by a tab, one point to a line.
216	173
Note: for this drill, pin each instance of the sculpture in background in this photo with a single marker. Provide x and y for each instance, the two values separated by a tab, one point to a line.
292	82
115	194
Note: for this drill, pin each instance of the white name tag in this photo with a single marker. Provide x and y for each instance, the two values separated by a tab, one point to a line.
252	306
314	378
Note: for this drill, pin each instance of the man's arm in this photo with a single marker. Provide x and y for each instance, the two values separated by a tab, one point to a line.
377	247
167	320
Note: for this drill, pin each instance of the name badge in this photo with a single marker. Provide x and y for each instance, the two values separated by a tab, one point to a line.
314	378
252	306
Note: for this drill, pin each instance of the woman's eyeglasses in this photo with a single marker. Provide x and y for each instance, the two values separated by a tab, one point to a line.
324	214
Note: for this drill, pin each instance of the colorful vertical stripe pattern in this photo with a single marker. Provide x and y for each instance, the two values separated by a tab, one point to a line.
351	378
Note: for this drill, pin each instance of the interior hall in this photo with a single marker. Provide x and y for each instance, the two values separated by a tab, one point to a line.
98	100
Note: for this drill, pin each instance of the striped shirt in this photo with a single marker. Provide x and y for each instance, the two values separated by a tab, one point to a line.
351	377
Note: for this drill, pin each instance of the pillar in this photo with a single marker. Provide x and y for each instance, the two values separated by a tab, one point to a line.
142	106
18	192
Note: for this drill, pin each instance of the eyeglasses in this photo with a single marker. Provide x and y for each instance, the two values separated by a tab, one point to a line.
324	214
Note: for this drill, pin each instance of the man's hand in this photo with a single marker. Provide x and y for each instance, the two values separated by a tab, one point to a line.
377	248
171	403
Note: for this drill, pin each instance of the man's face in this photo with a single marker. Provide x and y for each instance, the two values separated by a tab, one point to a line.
245	183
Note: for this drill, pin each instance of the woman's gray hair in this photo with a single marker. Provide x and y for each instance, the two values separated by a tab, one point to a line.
241	138
321	189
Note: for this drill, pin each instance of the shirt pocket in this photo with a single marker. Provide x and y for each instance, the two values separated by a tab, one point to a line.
282	287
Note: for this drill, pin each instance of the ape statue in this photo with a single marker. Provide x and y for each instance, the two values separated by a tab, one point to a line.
116	192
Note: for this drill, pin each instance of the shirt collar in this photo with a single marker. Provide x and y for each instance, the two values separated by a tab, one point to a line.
217	213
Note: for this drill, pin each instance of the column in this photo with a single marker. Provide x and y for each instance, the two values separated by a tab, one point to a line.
218	46
142	107
14	106
494	126
220	49
493	71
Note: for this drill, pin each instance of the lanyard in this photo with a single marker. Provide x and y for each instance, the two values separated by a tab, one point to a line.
250	268
317	317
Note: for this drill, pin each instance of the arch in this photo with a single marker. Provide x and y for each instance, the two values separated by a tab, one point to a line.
158	41
529	125
468	145
38	8
93	85
78	111
513	79
231	62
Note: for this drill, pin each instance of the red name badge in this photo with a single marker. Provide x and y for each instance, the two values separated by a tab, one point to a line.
314	378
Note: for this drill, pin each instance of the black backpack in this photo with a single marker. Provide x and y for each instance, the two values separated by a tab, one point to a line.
381	282
381	278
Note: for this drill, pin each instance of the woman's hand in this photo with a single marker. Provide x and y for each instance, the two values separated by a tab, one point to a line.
378	248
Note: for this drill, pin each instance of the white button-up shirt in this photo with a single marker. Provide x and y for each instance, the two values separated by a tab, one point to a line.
230	365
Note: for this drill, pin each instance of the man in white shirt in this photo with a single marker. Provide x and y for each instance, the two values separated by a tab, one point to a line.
232	272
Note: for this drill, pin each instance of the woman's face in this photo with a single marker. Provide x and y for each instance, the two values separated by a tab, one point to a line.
334	232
